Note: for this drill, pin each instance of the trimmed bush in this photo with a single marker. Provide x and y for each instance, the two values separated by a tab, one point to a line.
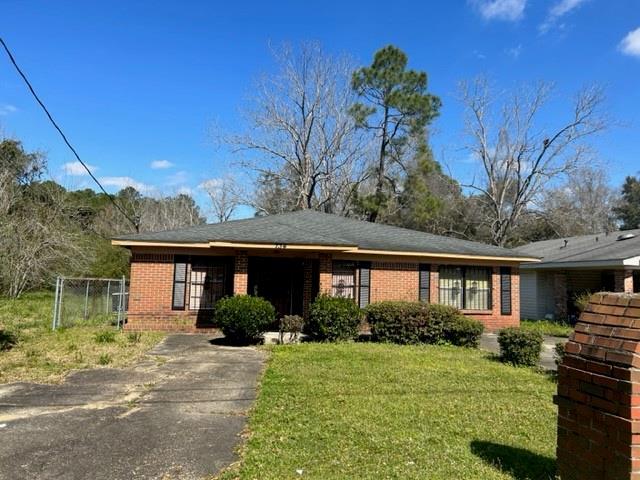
398	322
244	318
416	322
333	318
463	331
520	347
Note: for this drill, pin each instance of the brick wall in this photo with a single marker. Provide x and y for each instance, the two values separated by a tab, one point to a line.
623	281
394	281
599	393
152	288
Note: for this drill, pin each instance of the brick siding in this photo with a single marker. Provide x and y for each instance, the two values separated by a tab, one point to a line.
152	288
599	393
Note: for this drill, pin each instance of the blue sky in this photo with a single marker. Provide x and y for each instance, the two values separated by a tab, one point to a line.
137	85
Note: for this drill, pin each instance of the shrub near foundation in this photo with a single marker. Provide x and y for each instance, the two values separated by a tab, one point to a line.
417	322
243	318
333	318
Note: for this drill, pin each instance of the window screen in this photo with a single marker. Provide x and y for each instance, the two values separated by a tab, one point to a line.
365	283
467	288
207	284
344	280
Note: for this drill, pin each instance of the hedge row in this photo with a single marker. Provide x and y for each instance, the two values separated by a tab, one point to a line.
243	319
415	322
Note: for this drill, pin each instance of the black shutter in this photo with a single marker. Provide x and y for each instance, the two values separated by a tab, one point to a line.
505	290
365	283
179	282
424	282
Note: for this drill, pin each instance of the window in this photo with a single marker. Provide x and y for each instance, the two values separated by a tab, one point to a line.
364	269
344	280
207	284
467	288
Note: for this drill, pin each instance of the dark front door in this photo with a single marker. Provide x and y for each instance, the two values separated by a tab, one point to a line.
279	280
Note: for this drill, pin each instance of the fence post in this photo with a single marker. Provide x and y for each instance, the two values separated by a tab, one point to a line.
86	299
121	304
61	296
108	302
55	303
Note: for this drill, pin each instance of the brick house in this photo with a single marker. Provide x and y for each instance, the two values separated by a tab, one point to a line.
177	276
604	262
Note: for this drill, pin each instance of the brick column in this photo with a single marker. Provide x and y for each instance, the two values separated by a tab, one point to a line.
560	295
495	292
326	273
434	284
624	281
599	393
307	288
241	273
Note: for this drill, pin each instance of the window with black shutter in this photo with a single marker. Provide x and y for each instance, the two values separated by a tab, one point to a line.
365	283
505	290
179	282
424	282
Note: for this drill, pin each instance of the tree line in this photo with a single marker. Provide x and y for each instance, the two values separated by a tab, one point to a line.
325	134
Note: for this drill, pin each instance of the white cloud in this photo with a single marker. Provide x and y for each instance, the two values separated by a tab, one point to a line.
177	178
560	9
161	164
630	45
6	109
514	52
76	169
211	184
185	191
123	182
510	10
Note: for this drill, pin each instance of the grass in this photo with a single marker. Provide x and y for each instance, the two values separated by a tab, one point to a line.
42	355
548	327
329	411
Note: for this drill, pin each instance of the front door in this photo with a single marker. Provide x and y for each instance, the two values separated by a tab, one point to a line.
279	280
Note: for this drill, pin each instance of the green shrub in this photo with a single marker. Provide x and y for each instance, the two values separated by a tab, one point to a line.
520	347
333	318
244	318
105	336
559	352
463	331
416	322
7	340
398	322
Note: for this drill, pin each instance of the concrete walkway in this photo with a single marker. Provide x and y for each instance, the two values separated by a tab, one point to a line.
178	415
489	342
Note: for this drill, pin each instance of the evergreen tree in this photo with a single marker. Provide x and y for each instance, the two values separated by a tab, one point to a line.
395	106
628	212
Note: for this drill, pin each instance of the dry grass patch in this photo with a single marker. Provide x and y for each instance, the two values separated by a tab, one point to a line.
42	355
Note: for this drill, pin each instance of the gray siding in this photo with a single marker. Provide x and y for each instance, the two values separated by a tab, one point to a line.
528	294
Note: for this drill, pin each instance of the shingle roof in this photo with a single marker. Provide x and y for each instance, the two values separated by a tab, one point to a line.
599	248
314	228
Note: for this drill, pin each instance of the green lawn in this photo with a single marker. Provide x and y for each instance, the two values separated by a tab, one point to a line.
43	355
365	410
548	327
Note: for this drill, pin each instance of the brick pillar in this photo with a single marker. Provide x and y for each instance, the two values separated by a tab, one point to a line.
599	393
624	281
434	284
495	292
241	273
307	288
326	273
560	295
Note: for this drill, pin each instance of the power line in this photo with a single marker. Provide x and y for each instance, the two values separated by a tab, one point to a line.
134	222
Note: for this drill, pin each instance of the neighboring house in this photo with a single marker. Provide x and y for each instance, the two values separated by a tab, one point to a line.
177	276
577	265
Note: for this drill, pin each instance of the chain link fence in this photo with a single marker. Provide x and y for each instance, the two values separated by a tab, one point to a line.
90	301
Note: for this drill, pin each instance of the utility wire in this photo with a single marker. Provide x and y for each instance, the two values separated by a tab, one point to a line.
133	221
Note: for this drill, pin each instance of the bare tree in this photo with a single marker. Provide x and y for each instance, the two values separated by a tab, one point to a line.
224	196
301	134
520	158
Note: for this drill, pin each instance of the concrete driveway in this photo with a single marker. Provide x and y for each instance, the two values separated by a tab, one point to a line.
178	415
